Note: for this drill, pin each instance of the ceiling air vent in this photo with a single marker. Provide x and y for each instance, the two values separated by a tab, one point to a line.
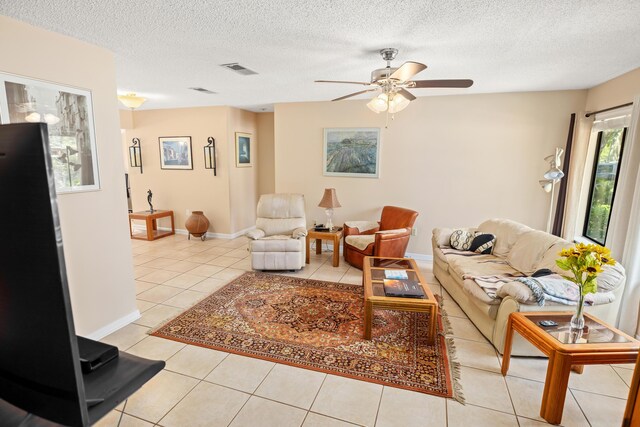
203	90
234	66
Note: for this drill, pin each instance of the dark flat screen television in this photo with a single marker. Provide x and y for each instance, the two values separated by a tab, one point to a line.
40	369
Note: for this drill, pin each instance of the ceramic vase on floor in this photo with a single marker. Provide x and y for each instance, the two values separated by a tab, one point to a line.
197	225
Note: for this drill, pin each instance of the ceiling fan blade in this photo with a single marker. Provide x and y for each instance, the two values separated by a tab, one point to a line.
340	81
354	94
442	83
406	94
407	70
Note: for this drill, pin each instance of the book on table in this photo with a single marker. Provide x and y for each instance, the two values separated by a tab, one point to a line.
396	274
403	288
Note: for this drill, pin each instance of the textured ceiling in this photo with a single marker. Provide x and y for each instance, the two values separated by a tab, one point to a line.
164	47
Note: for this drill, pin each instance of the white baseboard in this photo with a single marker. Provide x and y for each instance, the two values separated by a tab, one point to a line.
114	326
419	257
228	236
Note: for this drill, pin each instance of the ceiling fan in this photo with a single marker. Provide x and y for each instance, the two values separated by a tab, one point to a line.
393	83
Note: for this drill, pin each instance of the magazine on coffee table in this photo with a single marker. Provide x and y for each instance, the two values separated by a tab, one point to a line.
403	288
396	274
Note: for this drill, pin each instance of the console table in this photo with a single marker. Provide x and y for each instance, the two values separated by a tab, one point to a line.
150	219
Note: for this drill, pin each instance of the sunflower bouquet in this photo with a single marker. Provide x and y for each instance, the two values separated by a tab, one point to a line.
584	262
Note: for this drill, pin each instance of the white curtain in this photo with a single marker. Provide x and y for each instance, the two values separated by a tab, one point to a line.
628	193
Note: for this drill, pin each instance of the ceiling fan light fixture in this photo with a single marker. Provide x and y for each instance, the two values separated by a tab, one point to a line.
378	104
130	100
33	118
398	103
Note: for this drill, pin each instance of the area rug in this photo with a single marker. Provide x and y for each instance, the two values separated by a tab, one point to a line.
319	325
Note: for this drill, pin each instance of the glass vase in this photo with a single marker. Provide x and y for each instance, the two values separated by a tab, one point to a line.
577	320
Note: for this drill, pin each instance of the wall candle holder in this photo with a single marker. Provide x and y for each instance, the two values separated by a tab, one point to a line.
210	155
135	154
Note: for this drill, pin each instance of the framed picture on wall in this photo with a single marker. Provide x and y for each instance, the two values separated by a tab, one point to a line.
243	150
68	113
175	152
353	152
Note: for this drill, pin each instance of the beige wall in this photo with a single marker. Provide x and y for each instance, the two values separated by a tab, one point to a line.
182	191
266	160
243	182
457	160
94	224
614	92
227	199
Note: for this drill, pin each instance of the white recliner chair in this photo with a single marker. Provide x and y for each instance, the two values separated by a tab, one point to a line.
278	242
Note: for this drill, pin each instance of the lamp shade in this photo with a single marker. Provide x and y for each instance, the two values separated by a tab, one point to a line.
553	174
329	199
130	100
378	104
398	103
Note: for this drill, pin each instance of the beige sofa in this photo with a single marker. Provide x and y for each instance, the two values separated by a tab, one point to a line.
518	250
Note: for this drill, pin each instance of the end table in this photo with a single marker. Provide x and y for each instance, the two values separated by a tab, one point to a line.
150	219
598	343
335	234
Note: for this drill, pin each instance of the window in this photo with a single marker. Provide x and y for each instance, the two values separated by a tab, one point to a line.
604	178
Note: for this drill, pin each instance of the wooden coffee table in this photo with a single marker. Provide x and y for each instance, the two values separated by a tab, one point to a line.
599	343
374	298
334	235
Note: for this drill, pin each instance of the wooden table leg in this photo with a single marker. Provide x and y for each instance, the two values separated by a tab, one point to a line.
308	247
150	226
173	228
318	246
130	228
506	354
368	319
578	369
336	251
555	387
433	318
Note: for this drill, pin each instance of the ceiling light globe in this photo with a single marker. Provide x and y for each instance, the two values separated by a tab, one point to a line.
130	100
398	103
33	118
378	104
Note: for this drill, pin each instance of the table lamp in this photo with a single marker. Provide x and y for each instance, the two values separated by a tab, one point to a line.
328	202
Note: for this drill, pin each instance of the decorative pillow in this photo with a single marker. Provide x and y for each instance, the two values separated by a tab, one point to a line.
483	243
461	239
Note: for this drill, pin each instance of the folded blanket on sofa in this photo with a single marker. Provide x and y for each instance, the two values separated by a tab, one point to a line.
491	284
556	289
451	251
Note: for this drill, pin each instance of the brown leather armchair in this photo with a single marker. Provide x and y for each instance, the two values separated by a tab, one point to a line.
388	237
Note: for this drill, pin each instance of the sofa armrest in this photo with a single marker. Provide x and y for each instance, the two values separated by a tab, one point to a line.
442	237
256	234
360	227
299	232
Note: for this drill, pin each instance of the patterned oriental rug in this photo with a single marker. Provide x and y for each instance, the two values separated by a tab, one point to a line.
319	325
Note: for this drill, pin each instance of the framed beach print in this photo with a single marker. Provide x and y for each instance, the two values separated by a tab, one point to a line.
243	150
175	152
68	113
353	152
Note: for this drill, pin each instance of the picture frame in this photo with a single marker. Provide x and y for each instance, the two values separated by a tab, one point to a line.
351	152
68	112
243	150
175	152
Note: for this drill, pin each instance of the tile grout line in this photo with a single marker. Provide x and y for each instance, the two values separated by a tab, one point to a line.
579	406
375	420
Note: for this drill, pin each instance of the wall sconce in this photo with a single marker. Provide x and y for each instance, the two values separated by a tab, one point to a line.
210	155
135	154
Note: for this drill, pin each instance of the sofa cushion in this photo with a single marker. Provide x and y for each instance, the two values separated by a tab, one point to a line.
461	239
360	241
483	243
549	258
507	233
526	253
479	265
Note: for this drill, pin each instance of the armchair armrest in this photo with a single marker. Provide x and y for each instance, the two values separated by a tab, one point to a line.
299	232
360	227
256	234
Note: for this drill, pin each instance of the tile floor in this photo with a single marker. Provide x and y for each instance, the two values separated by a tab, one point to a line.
202	387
